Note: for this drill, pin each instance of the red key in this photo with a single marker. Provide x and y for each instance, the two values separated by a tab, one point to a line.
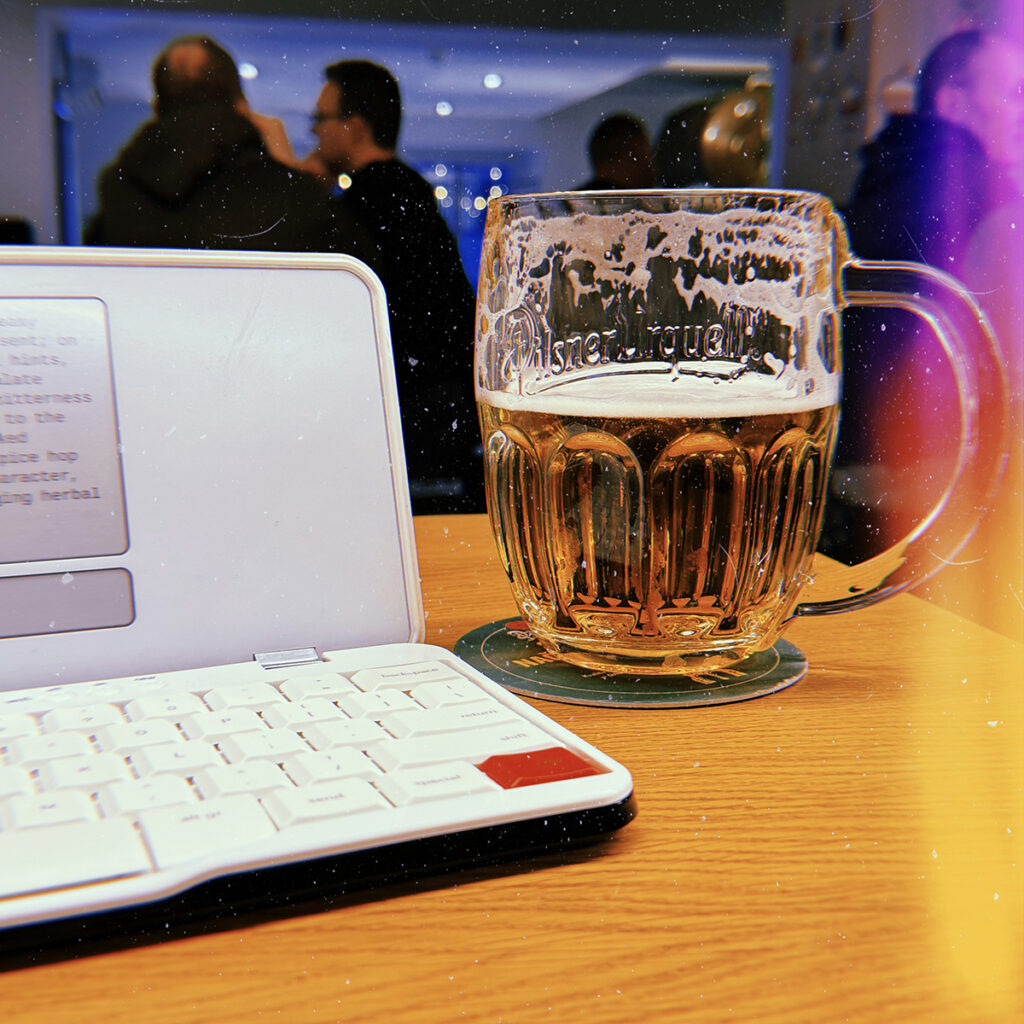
511	771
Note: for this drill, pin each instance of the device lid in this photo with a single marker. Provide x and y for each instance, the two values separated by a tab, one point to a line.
200	460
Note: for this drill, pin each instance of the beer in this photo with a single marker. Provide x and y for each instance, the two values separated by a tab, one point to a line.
646	525
658	375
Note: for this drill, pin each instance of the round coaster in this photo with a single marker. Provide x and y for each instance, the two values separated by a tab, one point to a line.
507	652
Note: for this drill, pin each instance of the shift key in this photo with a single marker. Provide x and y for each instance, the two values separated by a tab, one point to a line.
471	745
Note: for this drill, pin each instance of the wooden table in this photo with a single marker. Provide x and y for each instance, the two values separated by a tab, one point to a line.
846	850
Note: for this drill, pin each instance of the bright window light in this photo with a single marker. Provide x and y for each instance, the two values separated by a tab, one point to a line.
444	108
493	80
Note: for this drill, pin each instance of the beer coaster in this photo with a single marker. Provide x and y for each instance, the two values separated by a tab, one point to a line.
507	652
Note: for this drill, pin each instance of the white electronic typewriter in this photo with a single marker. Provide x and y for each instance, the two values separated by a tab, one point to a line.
210	608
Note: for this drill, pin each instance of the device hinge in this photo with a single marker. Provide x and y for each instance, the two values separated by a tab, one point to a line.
288	659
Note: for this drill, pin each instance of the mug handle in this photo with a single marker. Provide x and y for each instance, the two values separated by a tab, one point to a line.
977	363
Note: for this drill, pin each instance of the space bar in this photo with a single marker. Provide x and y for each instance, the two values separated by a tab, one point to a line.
36	860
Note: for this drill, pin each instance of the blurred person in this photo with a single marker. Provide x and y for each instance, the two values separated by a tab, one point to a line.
201	174
431	304
677	154
620	155
16	231
993	268
930	177
992	265
929	180
939	186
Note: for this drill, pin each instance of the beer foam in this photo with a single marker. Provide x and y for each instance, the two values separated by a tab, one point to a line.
569	287
784	227
652	395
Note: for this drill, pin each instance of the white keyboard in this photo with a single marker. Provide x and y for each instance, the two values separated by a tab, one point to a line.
120	792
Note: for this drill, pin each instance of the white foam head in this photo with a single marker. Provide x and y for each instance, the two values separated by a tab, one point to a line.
659	395
696	300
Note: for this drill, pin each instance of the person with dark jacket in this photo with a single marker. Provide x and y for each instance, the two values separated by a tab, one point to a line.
928	181
200	175
930	177
677	156
619	149
431	304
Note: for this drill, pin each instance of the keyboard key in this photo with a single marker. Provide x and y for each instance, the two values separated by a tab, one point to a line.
139	794
440	720
373	705
322	800
213	726
14	781
256	777
89	773
251	695
175	835
402	677
35	810
12	726
344	733
130	736
36	859
443	692
33	751
269	745
298	715
555	764
303	687
172	706
328	765
457	778
176	758
469	745
41	699
83	719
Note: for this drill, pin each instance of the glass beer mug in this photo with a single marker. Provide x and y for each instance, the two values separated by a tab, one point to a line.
658	379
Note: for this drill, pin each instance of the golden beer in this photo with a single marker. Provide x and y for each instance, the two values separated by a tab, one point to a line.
658	376
643	536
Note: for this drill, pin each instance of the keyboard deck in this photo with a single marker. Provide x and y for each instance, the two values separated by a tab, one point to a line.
118	792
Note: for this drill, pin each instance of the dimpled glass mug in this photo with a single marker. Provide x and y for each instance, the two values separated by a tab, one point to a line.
658	378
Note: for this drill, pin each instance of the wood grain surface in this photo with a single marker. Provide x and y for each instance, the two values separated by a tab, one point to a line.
846	850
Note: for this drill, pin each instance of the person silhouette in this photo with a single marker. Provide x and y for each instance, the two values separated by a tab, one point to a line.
930	177
200	174
431	304
940	186
677	157
620	155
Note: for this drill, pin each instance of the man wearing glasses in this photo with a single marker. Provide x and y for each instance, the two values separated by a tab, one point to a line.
430	299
